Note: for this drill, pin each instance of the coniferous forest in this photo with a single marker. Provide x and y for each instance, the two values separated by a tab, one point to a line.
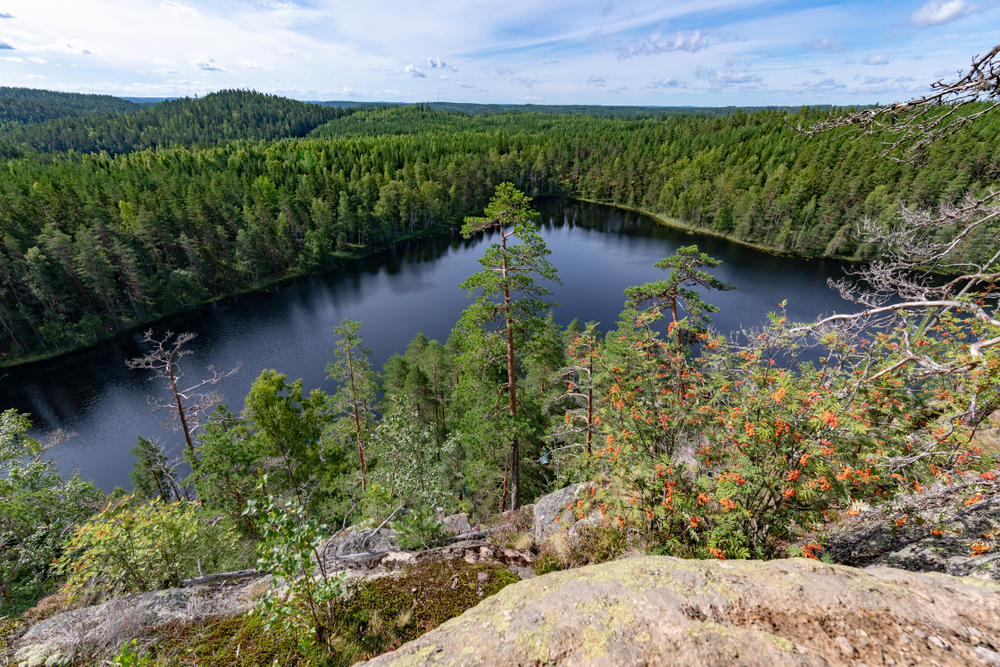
685	442
112	220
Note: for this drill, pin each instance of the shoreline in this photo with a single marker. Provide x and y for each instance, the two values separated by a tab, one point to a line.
680	224
367	251
277	283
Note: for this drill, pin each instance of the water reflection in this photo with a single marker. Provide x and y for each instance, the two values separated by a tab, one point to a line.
598	251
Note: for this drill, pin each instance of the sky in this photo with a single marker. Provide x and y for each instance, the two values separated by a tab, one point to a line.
609	52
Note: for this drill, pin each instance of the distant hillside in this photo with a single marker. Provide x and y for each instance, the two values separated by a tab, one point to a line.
219	117
27	106
587	109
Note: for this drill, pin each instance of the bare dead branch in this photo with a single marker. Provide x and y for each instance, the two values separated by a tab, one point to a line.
910	128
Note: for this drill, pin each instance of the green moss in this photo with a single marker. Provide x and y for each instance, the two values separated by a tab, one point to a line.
240	641
10	630
378	615
382	614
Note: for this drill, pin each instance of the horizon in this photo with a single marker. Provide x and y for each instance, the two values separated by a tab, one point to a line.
610	53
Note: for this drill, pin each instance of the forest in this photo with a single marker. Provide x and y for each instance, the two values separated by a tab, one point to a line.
27	106
694	444
114	221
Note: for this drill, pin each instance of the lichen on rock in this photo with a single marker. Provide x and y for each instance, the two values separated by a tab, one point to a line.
656	610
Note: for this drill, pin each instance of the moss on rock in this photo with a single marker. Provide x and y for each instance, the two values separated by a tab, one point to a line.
382	614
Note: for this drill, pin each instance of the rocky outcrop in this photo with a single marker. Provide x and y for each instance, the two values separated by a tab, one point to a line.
665	611
103	628
453	577
951	528
553	512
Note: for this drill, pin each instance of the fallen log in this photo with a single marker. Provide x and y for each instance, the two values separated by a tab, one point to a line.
222	576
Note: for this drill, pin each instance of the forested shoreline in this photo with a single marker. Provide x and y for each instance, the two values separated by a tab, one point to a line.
94	243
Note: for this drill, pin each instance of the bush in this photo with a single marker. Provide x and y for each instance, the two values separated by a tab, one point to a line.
136	546
290	551
418	529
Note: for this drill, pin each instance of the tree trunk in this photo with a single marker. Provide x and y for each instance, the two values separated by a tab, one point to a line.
357	418
180	413
515	460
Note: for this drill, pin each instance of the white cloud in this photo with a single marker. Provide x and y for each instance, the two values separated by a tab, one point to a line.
178	9
596	81
34	76
253	64
363	45
826	44
825	86
669	83
874	80
434	63
205	62
937	12
36	59
12	59
683	40
725	78
877	59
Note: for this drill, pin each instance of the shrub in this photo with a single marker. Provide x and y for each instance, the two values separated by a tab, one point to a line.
134	546
290	551
418	529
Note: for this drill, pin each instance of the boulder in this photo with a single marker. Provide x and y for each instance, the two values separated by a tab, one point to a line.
355	540
657	610
457	524
552	512
103	628
899	534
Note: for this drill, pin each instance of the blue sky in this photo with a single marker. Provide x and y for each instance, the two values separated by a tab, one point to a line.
665	53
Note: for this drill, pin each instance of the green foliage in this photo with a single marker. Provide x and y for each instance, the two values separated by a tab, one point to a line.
25	106
231	457
409	462
222	116
354	402
418	529
130	656
289	550
37	506
152	475
506	313
720	449
133	546
92	241
288	425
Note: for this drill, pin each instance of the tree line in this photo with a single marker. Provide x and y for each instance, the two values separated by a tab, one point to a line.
224	116
27	106
92	243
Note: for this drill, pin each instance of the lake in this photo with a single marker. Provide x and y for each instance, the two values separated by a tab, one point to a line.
410	287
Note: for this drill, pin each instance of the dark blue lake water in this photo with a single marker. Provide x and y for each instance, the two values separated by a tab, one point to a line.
598	251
